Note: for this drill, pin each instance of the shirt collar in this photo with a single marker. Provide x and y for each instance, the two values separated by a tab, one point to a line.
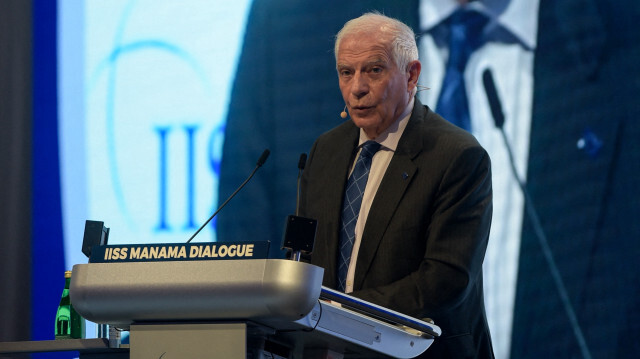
391	136
514	16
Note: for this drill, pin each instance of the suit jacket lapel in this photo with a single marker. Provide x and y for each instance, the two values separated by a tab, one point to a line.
333	179
396	179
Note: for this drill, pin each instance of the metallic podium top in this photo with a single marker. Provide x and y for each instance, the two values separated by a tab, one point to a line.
120	294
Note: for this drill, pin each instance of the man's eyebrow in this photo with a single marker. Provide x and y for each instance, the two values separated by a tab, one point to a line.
371	62
376	61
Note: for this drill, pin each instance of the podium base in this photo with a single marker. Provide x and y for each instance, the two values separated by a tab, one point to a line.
188	341
322	354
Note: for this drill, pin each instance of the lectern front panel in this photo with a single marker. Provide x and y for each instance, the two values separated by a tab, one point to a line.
123	293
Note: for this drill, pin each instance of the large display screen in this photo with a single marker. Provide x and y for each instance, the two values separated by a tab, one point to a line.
165	106
144	90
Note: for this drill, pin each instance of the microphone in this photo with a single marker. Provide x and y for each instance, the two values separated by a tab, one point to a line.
492	96
299	232
343	114
301	163
498	118
263	158
261	161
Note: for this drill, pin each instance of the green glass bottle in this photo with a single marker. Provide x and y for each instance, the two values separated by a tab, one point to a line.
69	324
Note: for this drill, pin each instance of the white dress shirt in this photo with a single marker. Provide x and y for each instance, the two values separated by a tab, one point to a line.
379	163
508	52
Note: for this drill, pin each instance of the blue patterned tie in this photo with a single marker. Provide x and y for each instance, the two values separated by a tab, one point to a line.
351	208
465	36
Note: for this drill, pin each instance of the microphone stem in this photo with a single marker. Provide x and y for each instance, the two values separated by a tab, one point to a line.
296	256
298	192
548	255
225	203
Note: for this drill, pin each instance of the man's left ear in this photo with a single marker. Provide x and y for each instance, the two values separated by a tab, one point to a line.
413	70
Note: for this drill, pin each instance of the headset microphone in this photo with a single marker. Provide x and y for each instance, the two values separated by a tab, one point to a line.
343	114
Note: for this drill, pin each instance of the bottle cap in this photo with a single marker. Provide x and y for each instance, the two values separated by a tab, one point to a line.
67	274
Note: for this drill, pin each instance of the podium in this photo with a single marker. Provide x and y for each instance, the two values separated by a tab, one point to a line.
246	308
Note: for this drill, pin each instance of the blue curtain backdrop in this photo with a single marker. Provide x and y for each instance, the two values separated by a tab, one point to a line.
47	246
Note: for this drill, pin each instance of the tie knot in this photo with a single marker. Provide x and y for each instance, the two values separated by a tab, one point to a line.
369	149
471	22
465	28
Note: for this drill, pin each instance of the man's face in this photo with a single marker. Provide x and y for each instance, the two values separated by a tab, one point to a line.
375	91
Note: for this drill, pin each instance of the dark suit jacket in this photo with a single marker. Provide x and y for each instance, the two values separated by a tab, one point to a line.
426	234
586	86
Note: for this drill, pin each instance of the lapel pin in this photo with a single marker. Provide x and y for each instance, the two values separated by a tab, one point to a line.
590	143
405	175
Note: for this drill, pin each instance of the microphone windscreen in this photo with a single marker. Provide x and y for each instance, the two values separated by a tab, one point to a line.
492	96
344	114
302	161
263	158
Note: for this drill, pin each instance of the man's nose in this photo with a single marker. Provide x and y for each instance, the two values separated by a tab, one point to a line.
360	85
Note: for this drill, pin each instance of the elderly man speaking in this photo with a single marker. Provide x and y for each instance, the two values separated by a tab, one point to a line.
403	198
